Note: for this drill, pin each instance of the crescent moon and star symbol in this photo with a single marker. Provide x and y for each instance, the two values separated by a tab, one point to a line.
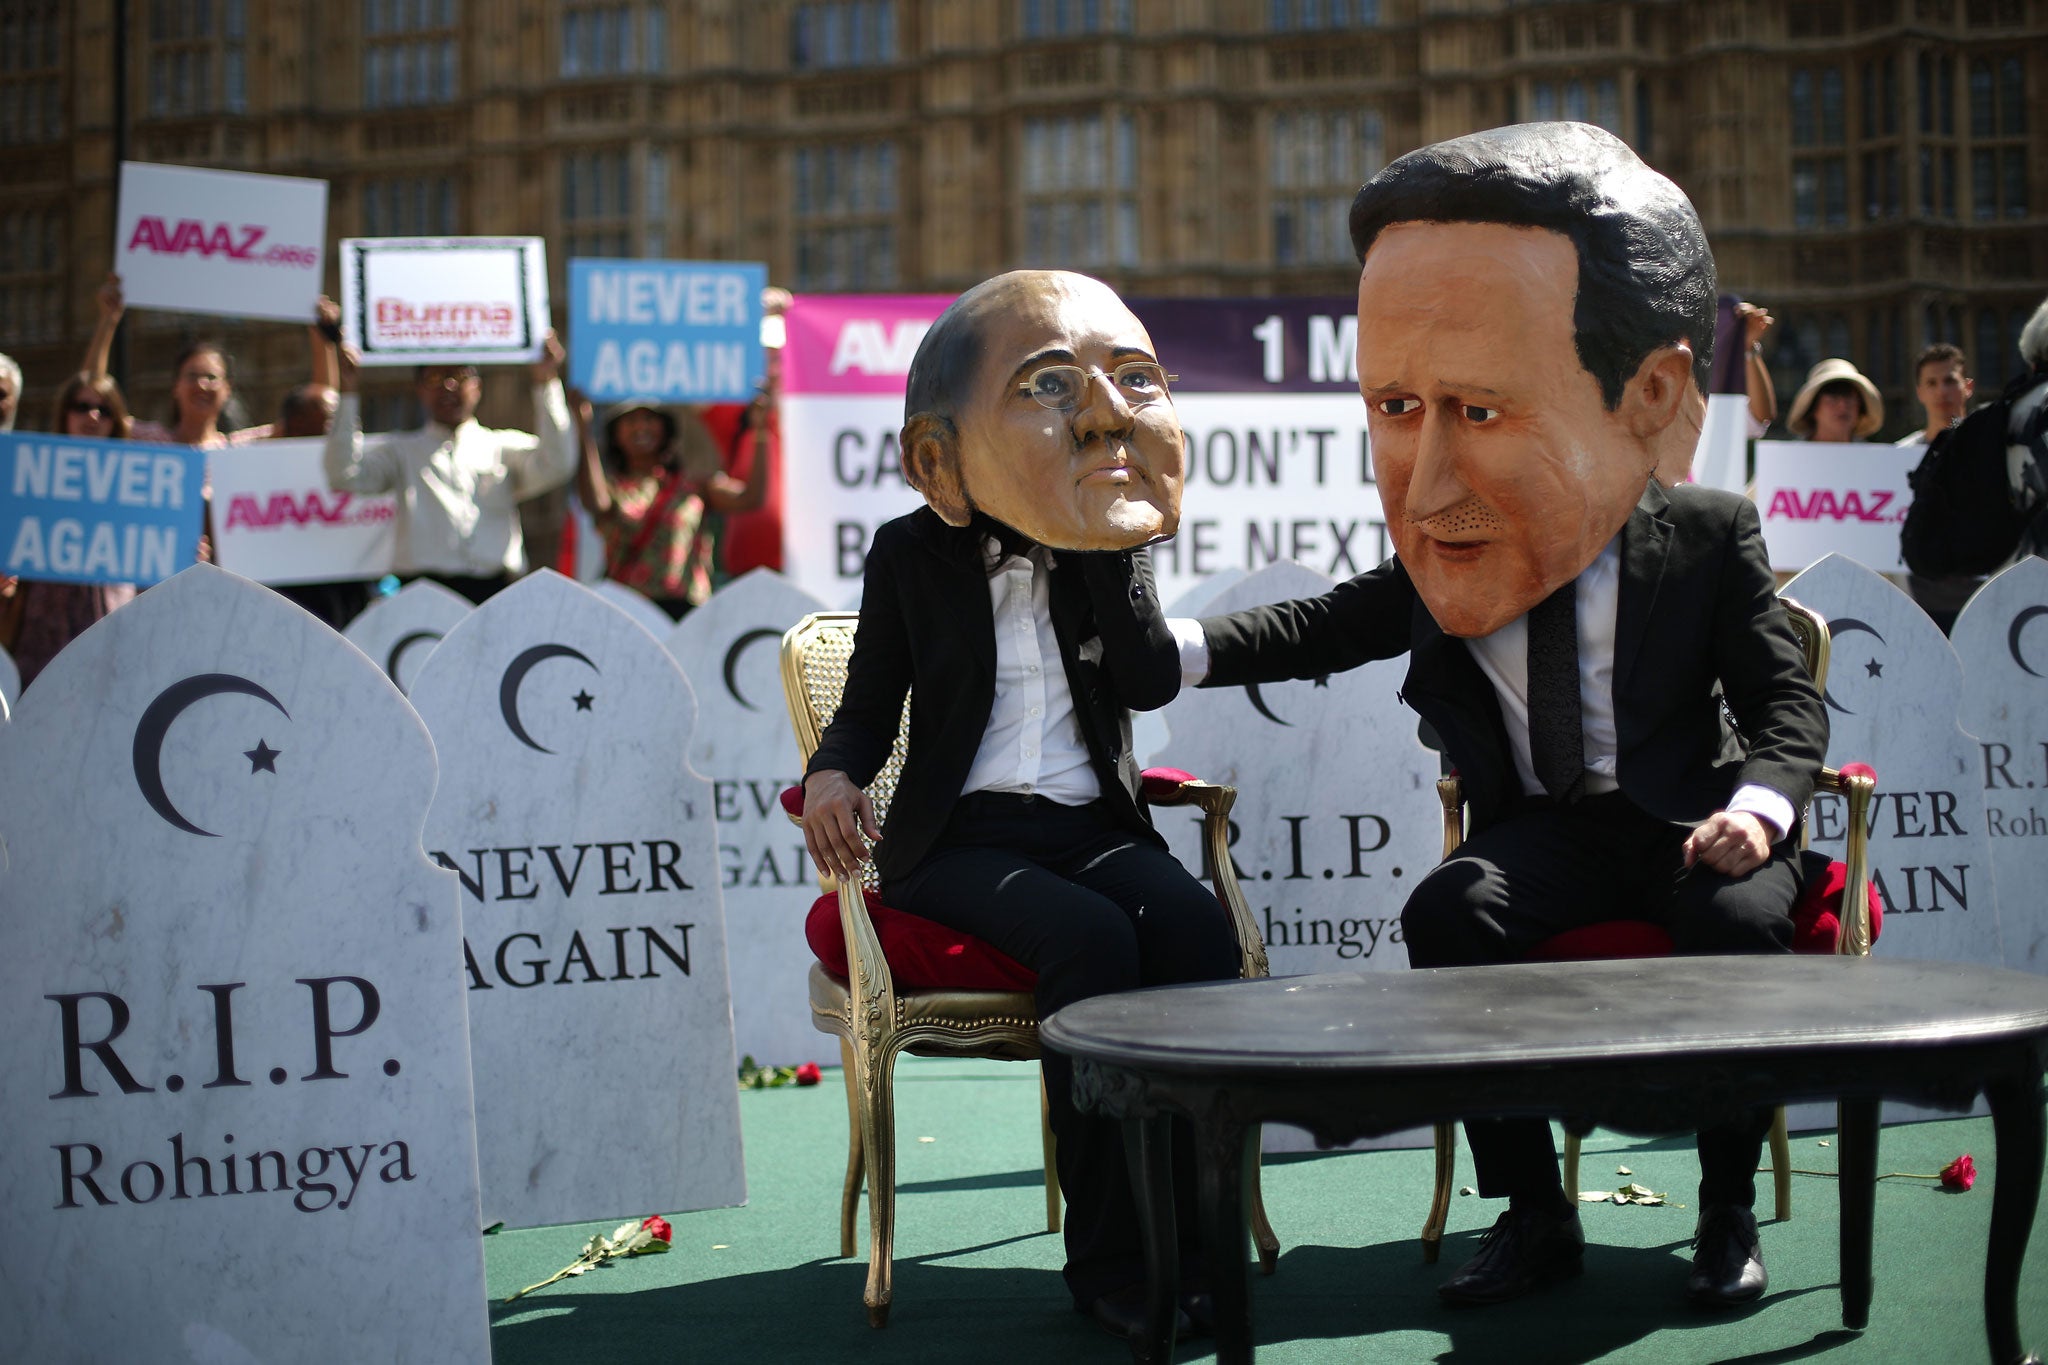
155	724
1849	625
1251	692
515	674
2012	637
402	644
732	662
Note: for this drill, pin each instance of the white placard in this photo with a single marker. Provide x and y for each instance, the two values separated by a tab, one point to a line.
275	519
731	649
444	300
233	1051
223	242
594	939
2004	651
399	632
1821	498
1337	813
1721	459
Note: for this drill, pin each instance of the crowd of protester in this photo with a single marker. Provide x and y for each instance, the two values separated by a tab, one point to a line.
658	492
683	498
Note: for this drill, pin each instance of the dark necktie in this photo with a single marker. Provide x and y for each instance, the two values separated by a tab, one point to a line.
1557	743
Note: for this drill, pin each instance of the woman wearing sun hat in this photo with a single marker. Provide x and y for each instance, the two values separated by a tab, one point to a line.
649	494
1836	403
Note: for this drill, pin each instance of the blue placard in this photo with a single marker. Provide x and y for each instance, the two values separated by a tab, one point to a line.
77	511
671	331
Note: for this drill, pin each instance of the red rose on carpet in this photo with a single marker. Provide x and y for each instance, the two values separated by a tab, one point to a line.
808	1074
658	1225
1959	1174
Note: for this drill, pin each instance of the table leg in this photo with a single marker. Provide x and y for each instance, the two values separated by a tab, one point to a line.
2018	1127
1148	1148
1857	1162
1223	1154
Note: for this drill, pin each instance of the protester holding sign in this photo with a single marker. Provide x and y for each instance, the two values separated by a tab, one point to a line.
10	391
1836	403
649	494
39	619
459	484
202	385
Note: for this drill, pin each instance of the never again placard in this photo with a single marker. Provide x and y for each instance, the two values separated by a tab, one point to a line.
74	511
675	331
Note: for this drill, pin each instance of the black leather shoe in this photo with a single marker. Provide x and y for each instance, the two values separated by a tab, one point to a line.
1121	1313
1526	1249
1200	1311
1727	1258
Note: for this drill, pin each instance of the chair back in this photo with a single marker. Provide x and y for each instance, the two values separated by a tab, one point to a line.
815	654
1812	633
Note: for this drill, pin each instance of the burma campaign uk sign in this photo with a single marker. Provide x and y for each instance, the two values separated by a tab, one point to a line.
674	331
75	511
444	300
223	242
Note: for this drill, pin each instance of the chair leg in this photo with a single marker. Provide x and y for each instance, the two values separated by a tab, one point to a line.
1571	1166
1255	1207
1052	1170
1440	1205
1781	1164
849	1190
878	1139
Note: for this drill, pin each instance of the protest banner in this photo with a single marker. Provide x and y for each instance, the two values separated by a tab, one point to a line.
1822	498
444	300
672	331
222	242
1278	461
78	511
276	521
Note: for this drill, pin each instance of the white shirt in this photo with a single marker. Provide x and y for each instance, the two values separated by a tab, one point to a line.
458	491
1033	742
1503	657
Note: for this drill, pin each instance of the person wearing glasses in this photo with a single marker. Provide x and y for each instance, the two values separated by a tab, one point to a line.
37	619
1018	611
459	483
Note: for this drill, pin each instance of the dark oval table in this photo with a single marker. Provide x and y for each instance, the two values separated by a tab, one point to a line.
1650	1046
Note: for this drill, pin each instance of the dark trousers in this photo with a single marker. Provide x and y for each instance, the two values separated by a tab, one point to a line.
1547	868
1092	908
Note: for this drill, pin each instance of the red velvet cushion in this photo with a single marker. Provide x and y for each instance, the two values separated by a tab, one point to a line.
1610	938
1157	783
922	953
793	802
1816	916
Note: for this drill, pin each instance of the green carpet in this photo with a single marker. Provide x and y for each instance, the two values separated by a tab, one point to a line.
977	1277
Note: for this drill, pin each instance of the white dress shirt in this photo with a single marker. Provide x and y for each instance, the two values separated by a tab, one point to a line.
458	490
1503	657
1033	743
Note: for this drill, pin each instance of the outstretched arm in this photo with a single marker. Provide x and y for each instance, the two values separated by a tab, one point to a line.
112	304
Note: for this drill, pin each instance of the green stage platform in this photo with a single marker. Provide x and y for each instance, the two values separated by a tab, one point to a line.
977	1277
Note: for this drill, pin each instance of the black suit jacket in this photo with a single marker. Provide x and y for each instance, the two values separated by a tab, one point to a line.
1697	621
927	627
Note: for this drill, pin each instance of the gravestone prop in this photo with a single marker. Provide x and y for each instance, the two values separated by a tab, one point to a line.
731	650
1337	814
233	1050
1891	702
10	683
2003	645
653	619
400	631
594	941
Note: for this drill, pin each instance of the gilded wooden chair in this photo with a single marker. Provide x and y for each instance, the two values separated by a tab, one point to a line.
875	1018
1634	938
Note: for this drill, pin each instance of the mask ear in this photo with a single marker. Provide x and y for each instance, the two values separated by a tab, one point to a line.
931	465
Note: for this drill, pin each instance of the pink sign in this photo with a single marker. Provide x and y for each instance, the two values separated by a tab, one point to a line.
855	343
